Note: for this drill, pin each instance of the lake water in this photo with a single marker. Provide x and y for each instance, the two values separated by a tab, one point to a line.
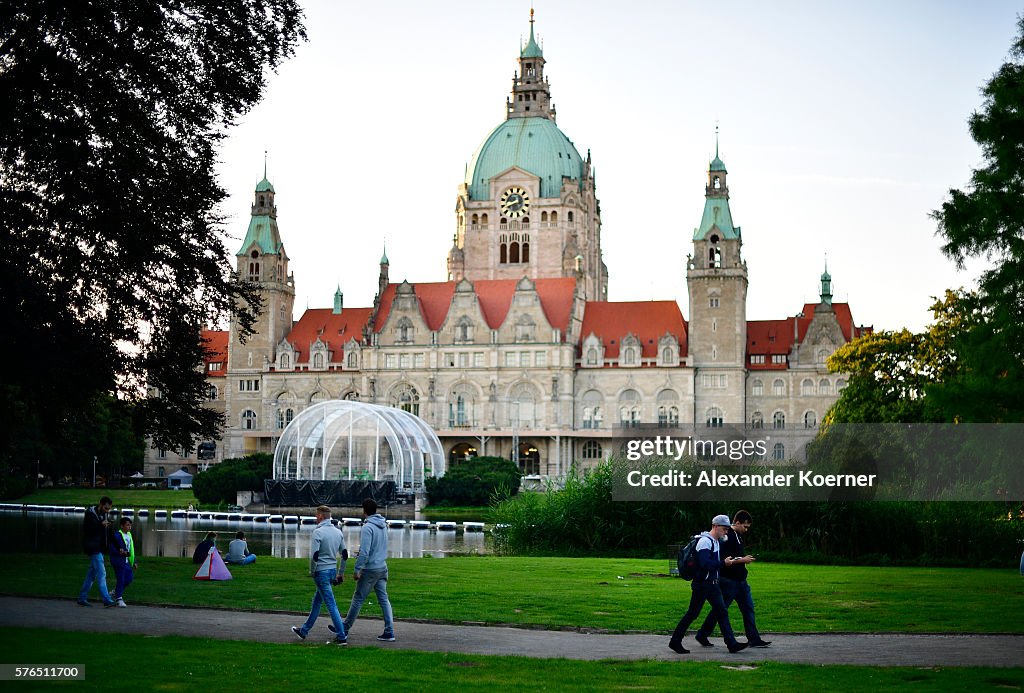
57	532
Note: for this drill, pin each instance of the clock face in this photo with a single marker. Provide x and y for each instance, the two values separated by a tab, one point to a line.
515	202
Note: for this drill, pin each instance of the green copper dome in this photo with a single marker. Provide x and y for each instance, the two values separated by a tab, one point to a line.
264	186
533	144
717	165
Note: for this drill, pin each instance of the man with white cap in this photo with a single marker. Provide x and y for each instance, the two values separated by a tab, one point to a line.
704	588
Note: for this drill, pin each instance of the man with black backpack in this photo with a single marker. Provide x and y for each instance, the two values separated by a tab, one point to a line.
705	588
733	583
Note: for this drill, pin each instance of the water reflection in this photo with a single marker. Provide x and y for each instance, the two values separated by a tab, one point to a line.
56	532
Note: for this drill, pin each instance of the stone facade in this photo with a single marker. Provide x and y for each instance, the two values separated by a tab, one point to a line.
518	354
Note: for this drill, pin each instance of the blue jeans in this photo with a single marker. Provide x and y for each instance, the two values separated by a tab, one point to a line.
705	592
377	580
738	591
98	574
324	595
251	558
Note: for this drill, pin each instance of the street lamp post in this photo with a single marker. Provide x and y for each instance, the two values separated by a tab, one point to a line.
94	471
515	432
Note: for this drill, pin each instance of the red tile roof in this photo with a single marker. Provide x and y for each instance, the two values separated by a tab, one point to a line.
647	320
776	336
216	343
333	330
495	297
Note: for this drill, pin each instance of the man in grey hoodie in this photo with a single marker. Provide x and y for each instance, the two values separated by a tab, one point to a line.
371	571
327	556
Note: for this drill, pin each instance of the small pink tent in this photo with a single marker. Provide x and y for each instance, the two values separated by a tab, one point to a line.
213	568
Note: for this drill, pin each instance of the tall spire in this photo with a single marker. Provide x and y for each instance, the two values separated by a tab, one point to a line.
531	94
826	284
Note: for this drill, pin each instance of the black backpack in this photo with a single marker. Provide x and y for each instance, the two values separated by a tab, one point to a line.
686	560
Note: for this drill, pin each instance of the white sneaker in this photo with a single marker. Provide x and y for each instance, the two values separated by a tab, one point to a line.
120	603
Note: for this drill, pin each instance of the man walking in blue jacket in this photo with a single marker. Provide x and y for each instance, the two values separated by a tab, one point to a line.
327	555
705	588
371	570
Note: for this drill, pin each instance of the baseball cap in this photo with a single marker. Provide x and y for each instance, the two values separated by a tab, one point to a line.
721	520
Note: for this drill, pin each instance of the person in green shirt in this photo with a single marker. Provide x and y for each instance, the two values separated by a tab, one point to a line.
122	559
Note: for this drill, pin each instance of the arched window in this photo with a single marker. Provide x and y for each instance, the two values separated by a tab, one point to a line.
757	388
254	271
716	183
779	452
522	410
778	420
526	249
463	452
592	402
666	355
554	217
529	459
286	362
475	219
629	408
543	216
714	257
779	388
503	254
284	417
318	360
464	329
513	252
592	450
483	219
353	360
249	420
591	356
714	418
807	387
212	393
629	356
822	355
840	385
352	396
757	420
318	396
407	399
461	405
824	387
810	419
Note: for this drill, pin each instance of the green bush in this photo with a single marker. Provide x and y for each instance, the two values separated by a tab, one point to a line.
13	486
582	519
474	482
222	482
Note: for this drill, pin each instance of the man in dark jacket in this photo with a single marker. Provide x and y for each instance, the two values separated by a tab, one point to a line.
705	588
733	581
95	534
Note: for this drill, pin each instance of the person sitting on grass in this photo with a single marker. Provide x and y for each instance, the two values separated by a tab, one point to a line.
203	550
238	551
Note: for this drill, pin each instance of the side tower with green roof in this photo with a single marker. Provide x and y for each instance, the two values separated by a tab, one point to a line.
716	277
527	205
261	259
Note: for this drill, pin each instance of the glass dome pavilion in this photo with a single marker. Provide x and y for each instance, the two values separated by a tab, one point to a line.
347	439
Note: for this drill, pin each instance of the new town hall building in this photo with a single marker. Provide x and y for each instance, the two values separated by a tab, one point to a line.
518	354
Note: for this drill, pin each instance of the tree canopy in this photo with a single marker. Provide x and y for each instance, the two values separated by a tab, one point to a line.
112	258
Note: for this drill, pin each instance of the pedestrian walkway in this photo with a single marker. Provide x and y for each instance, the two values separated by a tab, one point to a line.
832	648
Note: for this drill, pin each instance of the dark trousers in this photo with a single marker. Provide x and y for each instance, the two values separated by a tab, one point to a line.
738	591
705	592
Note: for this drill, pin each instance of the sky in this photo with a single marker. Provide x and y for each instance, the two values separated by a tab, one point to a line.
843	125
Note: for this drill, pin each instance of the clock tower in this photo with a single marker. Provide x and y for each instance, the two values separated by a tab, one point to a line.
528	206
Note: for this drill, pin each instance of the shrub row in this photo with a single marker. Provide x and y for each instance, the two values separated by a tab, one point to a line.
474	482
582	519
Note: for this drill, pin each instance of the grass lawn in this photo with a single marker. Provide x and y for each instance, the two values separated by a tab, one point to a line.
469	513
613	594
131	663
122	497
